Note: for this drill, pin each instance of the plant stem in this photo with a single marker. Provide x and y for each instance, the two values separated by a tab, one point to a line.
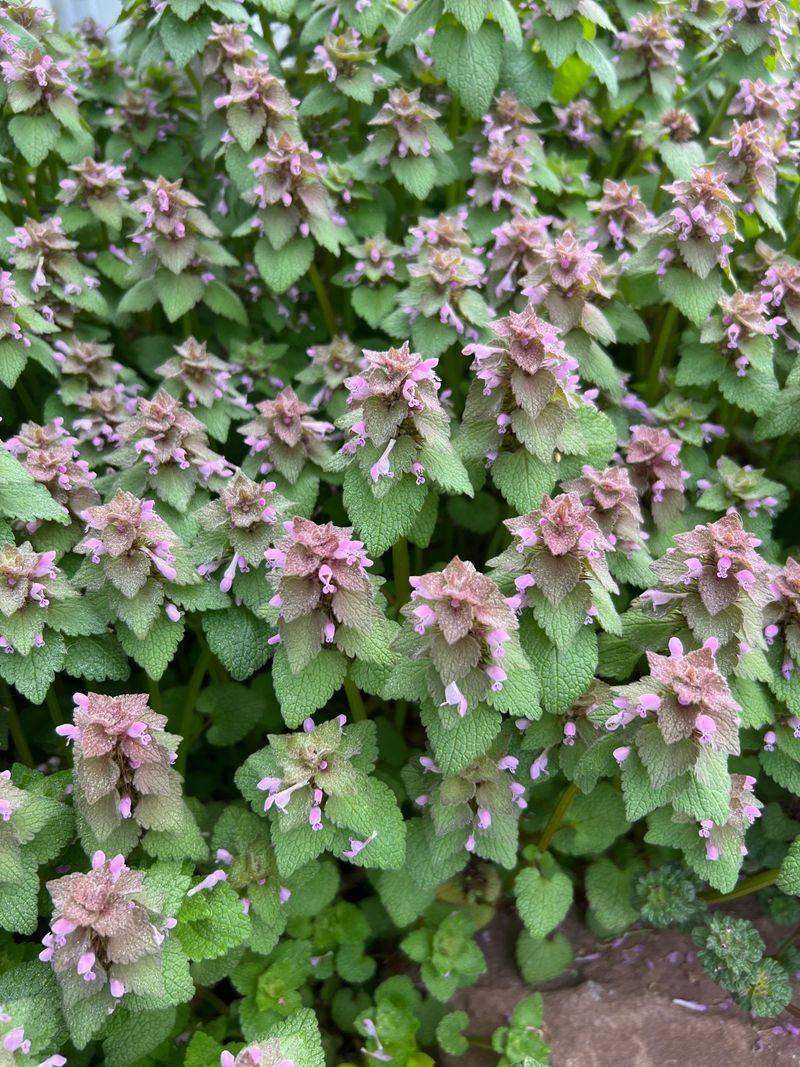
354	701
668	324
190	700
15	727
53	706
753	884
453	126
26	189
400	564
324	300
190	74
559	811
719	114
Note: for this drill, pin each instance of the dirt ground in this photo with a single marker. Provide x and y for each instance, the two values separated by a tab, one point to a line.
641	1001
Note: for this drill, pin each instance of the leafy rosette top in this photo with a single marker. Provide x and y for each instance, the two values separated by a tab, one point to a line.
650	45
256	104
615	505
742	487
397	423
785	614
324	595
173	227
683	716
33	78
461	627
318	791
168	443
753	152
123	765
49	455
443	287
653	459
559	568
291	197
409	139
331	364
702	224
284	436
106	934
622	217
713	577
568	280
98	189
229	43
477	809
132	555
525	390
348	63
47	259
33	598
781	280
204	382
101	412
519	246
235	532
85	364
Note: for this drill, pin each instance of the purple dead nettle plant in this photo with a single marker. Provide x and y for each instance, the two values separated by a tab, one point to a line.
323	593
330	364
682	717
477	809
713	580
461	628
167	450
34	598
135	560
235	532
525	391
285	437
653	458
106	934
262	1054
47	259
98	189
49	455
397	428
123	764
558	565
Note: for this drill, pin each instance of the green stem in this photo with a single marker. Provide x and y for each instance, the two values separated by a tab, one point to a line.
668	324
453	127
354	701
190	700
754	884
15	727
190	74
323	298
53	707
402	586
719	114
610	170
560	810
26	189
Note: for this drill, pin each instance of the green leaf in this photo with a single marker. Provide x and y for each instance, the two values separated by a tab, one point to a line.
238	639
542	960
211	922
449	1033
469	63
303	693
523	479
695	297
35	136
380	521
156	651
178	293
543	898
608	889
282	269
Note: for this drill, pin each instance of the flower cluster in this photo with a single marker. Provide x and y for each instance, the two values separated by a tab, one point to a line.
702	222
525	388
123	763
322	587
106	933
460	625
284	436
173	226
714	577
654	463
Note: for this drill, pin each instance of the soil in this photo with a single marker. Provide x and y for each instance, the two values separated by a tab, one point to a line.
639	1001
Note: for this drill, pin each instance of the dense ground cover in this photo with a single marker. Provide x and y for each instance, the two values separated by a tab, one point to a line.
398	514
